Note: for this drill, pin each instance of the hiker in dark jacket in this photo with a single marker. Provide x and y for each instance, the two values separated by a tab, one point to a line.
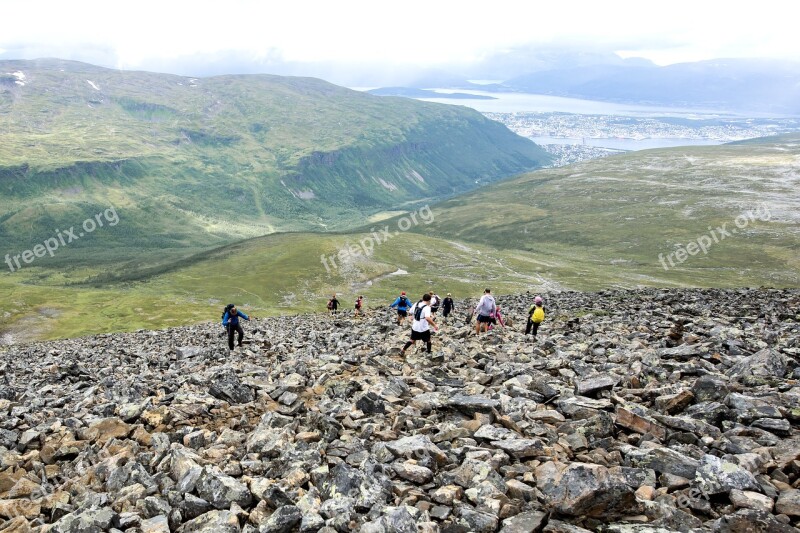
448	306
333	305
231	322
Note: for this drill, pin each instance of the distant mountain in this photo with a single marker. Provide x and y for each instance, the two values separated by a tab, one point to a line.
196	162
410	92
740	85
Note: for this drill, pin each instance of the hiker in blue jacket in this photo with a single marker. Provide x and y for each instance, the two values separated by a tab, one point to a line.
231	322
402	304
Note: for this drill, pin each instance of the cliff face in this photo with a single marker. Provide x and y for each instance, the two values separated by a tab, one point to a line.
678	407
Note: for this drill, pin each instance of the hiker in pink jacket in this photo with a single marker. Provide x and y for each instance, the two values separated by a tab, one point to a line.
498	318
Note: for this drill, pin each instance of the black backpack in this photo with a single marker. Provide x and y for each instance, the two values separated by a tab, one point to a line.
418	312
227	308
404	302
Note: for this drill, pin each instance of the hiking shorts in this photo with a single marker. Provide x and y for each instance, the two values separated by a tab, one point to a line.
484	318
402	313
424	336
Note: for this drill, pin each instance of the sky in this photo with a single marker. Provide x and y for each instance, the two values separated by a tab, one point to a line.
184	36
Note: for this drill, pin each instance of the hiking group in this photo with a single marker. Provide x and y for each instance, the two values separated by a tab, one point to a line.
487	313
423	313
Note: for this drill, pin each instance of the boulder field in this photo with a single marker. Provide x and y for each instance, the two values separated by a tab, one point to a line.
639	411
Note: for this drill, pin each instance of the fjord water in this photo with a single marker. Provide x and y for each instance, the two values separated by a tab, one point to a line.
507	102
540	103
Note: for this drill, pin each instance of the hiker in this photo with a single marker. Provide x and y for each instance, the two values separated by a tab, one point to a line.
402	303
333	304
448	306
435	302
224	331
535	316
497	318
423	321
484	310
231	321
359	305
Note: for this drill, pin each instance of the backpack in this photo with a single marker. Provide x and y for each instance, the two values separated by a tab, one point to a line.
538	315
418	312
330	304
404	302
225	311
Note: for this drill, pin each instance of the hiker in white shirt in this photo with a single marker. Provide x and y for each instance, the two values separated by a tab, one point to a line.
423	322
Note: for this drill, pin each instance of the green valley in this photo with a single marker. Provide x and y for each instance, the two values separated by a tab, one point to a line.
193	163
600	224
261	190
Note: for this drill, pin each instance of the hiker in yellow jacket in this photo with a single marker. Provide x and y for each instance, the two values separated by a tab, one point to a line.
535	316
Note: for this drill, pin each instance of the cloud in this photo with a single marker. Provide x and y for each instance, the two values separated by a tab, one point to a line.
254	34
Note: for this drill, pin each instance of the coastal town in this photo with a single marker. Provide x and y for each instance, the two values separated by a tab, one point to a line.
572	137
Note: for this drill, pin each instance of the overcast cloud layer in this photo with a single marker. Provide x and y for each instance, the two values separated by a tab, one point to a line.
374	38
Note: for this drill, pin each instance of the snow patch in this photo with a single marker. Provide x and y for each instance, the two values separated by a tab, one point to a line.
386	185
356	286
464	248
303	195
95	87
20	77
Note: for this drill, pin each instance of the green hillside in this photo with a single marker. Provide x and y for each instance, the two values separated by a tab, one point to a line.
715	216
276	274
619	221
592	226
190	163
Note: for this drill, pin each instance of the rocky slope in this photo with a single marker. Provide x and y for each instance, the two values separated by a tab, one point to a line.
636	411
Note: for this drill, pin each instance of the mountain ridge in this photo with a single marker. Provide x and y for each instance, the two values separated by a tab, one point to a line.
283	153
